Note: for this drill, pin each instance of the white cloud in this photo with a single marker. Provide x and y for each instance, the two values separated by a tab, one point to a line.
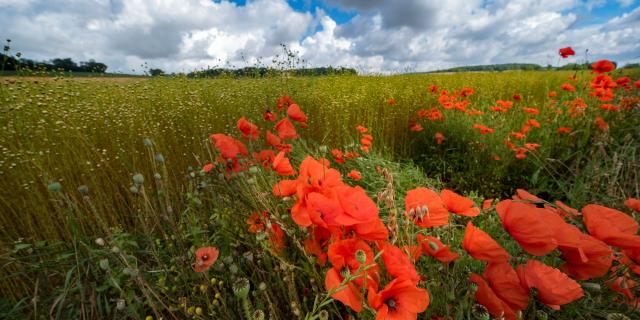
384	36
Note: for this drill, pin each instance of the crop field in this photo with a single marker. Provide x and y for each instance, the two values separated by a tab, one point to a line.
448	196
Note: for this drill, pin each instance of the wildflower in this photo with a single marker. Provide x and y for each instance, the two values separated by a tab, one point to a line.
531	110
458	204
207	167
285	129
425	208
564	130
296	114
361	129
486	204
256	222
282	166
398	264
590	259
603	66
439	137
481	246
517	97
392	102
483	129
554	287
400	299
434	247
568	87
525	226
633	204
602	124
534	123
229	147
485	296
611	226
337	156
532	146
566	52
205	258
248	129
269	116
354	174
416	127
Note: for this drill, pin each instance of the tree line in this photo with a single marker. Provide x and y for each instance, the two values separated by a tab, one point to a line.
11	63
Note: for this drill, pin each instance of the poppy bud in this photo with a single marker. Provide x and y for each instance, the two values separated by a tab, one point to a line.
147	142
241	288
100	242
323	315
138	179
361	256
233	269
54	186
157	176
159	157
253	169
262	286
133	189
83	189
199	311
323	149
104	264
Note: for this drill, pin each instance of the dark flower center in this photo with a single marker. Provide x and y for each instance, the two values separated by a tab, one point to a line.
205	257
391	304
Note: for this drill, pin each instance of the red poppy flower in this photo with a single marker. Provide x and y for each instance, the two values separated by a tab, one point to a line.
517	97
568	87
609	107
564	210
283	102
625	286
285	129
439	137
603	66
264	158
481	246
591	259
458	204
399	300
531	110
342	255
229	147
374	230
487	297
398	263
276	237
207	167
532	146
416	127
392	101
425	208
637	84
361	129
633	204
486	204
273	140
256	222
354	174
483	129
317	243
282	166
611	226
565	52
565	130
534	123
504	281
248	129
554	287
296	114
602	124
432	246
205	258
337	156
269	116
525	226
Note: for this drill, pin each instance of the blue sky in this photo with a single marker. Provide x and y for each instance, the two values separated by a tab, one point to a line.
373	36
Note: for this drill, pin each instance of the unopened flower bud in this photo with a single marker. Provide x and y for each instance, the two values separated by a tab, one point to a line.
361	256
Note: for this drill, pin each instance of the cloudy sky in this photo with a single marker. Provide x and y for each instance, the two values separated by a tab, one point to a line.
369	35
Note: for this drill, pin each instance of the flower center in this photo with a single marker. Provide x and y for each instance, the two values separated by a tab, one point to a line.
391	304
205	257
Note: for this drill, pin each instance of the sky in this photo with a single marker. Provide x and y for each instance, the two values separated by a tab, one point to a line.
372	36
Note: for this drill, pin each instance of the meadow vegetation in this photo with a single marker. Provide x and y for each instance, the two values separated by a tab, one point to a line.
110	187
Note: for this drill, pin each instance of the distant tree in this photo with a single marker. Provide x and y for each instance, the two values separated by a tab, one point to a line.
93	66
156	72
66	64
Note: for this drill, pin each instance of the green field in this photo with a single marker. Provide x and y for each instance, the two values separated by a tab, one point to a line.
69	148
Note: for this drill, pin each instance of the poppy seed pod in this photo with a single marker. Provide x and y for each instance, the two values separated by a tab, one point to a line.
83	189
361	256
147	142
323	315
258	315
120	304
138	179
323	149
241	288
100	242
54	186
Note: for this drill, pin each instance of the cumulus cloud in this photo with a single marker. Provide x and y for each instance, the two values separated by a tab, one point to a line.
383	36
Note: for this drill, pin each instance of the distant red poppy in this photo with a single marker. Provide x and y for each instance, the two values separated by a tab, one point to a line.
439	137
269	116
486	204
399	300
609	107
416	127
229	147
282	166
205	258
285	129
483	129
432	246
337	156
481	246
532	146
392	102
354	174
531	110
637	84
425	208
603	66
458	204
296	114
601	123
566	52
207	167
517	97
554	287
361	129
256	222
564	130
552	94
633	204
568	87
